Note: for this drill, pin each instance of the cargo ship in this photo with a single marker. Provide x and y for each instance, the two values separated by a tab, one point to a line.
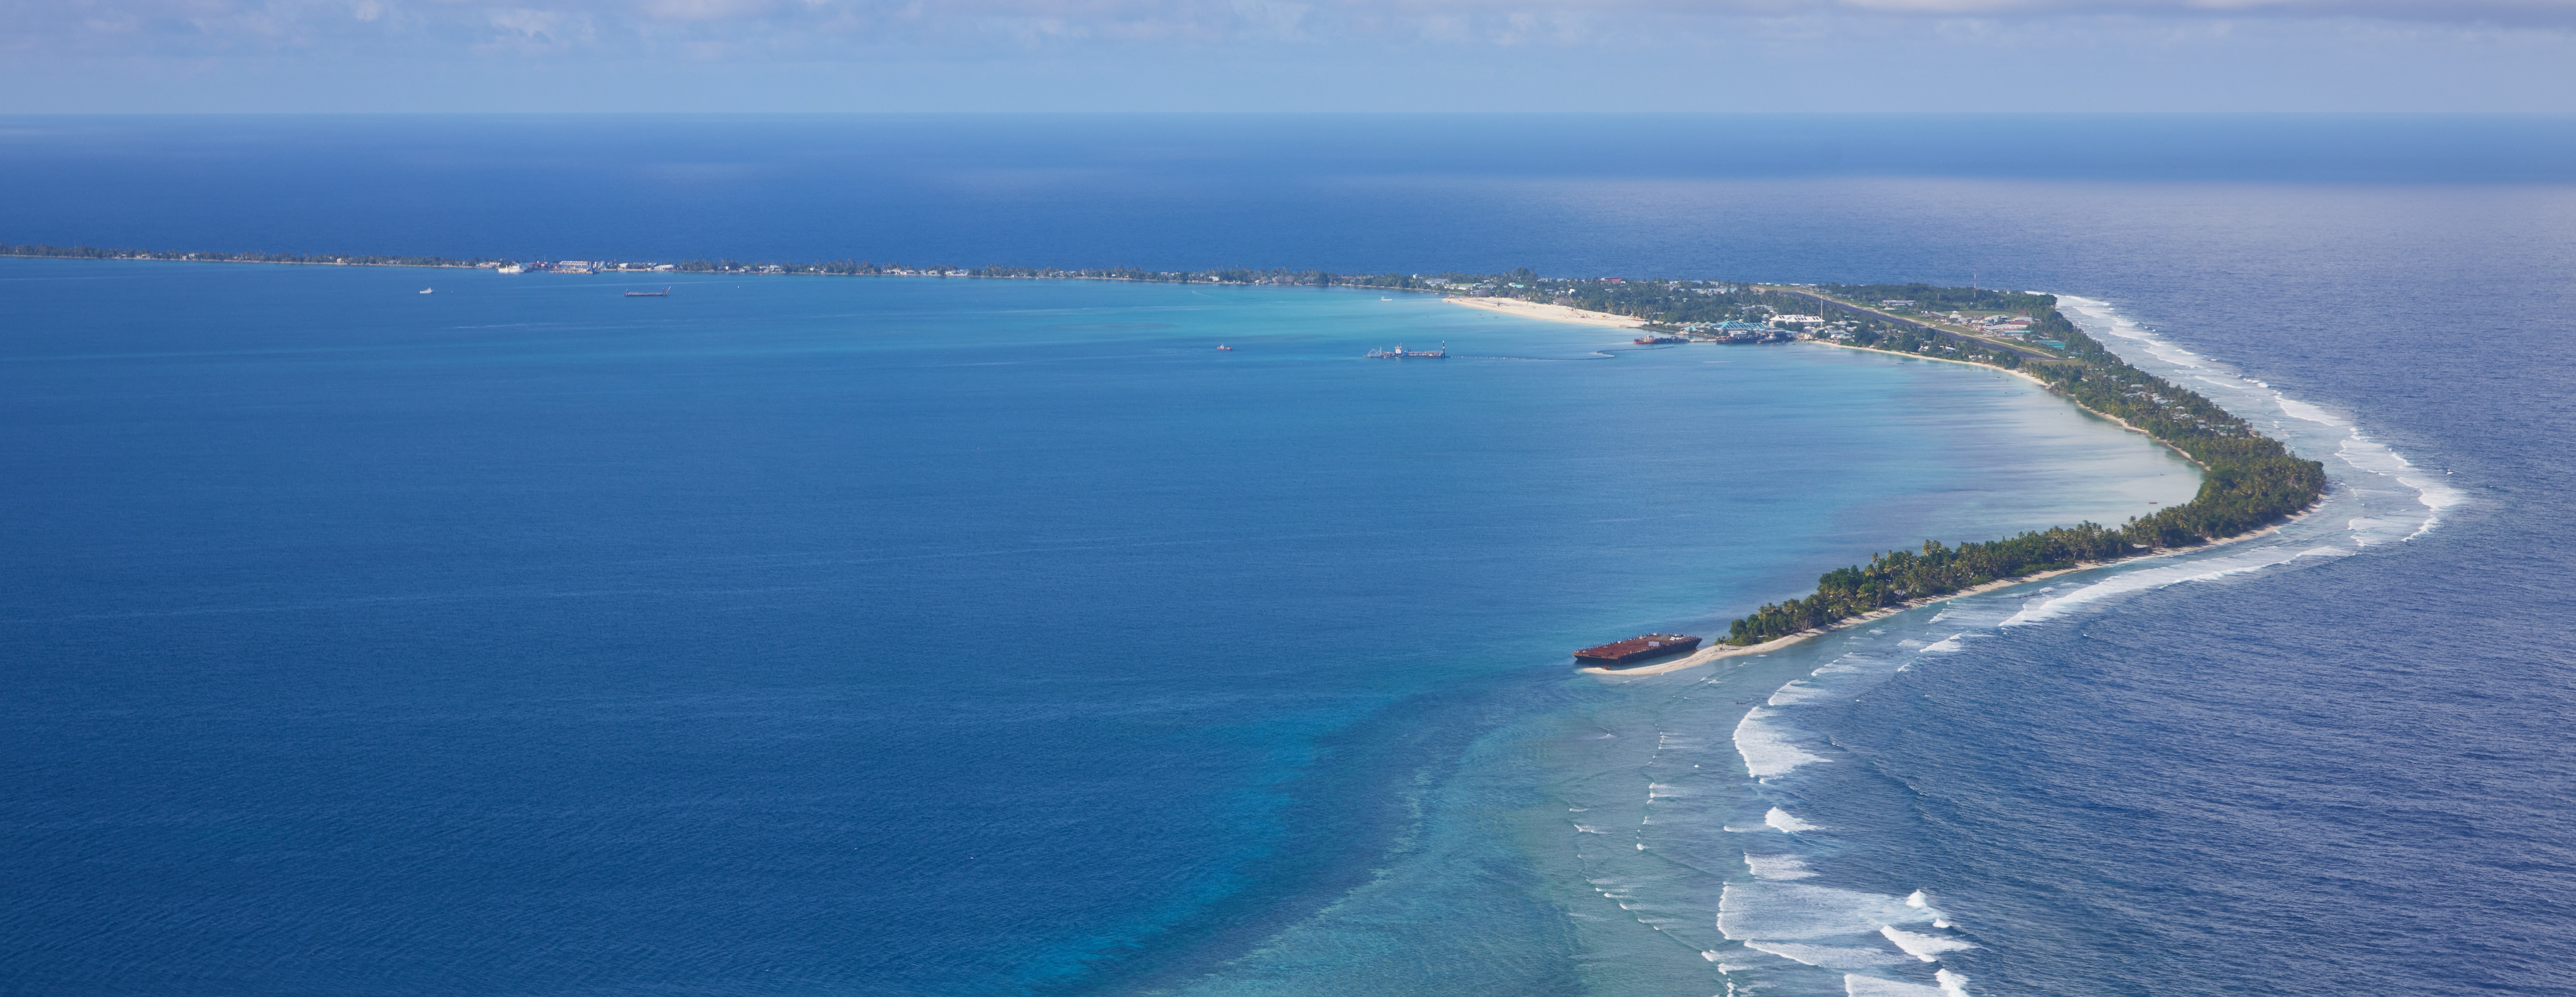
663	293
1639	649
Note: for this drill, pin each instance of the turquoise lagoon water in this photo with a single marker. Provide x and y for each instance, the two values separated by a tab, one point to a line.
940	638
906	635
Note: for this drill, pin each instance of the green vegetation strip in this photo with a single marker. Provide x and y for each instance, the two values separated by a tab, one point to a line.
2251	480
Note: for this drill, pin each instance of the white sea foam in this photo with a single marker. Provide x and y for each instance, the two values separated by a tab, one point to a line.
1799	912
1781	820
2305	412
2362	454
2040	610
1829	956
1945	645
1777	867
1856	985
1953	982
2434	494
1800	691
1766	749
1584	829
1922	946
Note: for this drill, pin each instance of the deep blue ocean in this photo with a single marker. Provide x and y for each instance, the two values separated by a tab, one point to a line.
912	636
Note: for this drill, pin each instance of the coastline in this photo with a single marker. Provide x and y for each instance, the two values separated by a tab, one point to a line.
2044	386
1560	313
1551	313
1723	651
1577	316
1503	305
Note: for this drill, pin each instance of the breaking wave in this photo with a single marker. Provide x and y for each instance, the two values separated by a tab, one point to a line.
1856	985
1828	956
1781	913
1766	749
1927	948
2371	463
1804	912
1777	867
2047	608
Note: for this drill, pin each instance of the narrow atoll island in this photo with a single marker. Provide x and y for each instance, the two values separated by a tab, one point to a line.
2250	482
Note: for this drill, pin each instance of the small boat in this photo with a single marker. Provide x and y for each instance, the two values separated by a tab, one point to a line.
1386	299
428	290
663	293
1224	347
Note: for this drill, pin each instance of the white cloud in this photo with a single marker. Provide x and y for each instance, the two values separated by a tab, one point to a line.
830	28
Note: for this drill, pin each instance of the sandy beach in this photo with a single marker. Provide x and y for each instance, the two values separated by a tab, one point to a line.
2068	399
1561	313
1703	657
1726	651
1552	313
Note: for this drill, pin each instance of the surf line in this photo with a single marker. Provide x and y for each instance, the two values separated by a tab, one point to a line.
2250	483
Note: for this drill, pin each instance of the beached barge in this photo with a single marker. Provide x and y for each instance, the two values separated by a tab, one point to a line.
1638	649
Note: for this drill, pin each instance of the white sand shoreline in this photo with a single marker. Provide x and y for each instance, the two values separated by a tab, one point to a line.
1551	313
1723	651
1561	313
2045	386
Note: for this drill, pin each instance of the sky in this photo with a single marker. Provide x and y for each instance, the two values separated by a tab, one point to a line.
118	56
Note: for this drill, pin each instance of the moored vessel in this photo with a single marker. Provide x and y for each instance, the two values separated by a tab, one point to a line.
1639	649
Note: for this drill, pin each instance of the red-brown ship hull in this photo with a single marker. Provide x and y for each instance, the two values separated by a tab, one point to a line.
1639	648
